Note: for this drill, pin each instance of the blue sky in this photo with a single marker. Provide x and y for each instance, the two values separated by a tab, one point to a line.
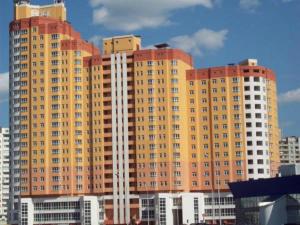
215	32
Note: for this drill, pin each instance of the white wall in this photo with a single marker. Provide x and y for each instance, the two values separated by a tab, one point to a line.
4	174
187	207
188	211
264	129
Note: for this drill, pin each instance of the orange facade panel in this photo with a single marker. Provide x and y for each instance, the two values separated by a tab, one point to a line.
90	61
46	25
163	54
230	71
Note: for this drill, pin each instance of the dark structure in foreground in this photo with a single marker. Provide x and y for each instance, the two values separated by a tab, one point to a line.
274	201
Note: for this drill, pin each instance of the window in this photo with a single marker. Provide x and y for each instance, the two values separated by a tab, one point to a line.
174	81
238	154
150	63
77	53
258	124
238	144
54	36
236	107
247	97
174	90
175	99
77	62
175	108
54	62
174	71
54	71
256	88
257	106
259	134
54	53
249	124
235	89
77	70
238	163
174	62
259	143
55	160
54	45
236	116
260	161
260	171
235	80
259	152
236	98
239	172
248	115
256	79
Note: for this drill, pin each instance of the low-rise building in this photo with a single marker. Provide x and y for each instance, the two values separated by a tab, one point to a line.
274	201
289	150
289	170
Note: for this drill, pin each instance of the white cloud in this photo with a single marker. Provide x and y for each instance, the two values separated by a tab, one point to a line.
129	15
4	87
203	40
96	40
291	96
250	5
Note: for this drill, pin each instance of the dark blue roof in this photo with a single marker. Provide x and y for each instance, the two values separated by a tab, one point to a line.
266	187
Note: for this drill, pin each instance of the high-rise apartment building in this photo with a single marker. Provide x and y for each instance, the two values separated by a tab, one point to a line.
233	118
129	134
51	115
233	129
4	174
290	150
